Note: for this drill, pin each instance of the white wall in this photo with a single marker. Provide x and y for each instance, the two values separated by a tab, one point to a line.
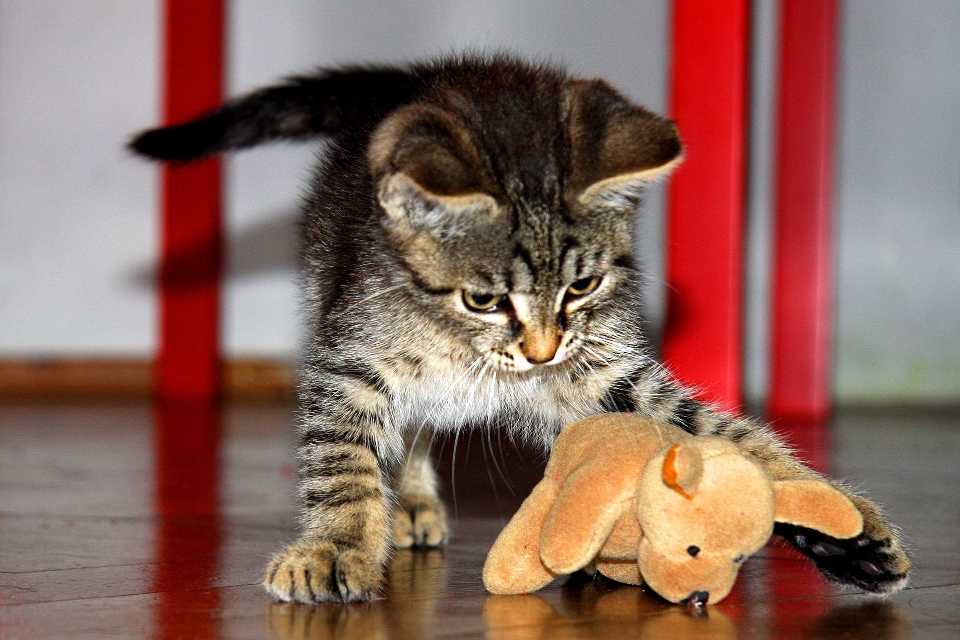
898	232
77	214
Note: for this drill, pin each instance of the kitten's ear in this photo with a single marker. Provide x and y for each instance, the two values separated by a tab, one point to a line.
428	171
617	148
411	208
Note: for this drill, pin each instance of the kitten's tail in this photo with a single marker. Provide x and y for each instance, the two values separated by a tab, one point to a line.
304	107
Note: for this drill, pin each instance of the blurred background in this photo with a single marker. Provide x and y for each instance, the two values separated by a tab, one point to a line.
79	215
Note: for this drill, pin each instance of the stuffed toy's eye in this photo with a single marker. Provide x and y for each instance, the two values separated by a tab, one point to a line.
740	558
693	550
583	286
484	302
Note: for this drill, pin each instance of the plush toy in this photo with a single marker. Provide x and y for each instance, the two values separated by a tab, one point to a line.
644	502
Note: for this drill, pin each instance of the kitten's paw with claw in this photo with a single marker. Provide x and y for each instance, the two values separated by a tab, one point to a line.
316	571
419	522
874	561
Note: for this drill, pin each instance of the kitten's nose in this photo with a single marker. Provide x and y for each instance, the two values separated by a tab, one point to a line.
539	347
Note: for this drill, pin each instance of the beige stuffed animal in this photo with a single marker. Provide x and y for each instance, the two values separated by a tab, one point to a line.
644	502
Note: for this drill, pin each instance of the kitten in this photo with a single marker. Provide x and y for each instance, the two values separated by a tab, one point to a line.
468	263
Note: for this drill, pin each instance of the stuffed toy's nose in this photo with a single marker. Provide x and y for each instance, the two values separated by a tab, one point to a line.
697	598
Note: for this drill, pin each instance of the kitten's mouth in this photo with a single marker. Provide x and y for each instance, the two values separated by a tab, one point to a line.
514	360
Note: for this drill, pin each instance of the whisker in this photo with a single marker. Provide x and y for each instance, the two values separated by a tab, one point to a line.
435	408
453	474
486	463
453	385
496	465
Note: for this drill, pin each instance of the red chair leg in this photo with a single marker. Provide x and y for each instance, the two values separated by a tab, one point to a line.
702	339
188	359
187	505
187	425
802	285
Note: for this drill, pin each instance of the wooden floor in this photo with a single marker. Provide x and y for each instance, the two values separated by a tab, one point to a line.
120	521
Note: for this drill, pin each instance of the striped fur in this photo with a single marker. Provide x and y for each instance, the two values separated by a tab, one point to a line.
447	186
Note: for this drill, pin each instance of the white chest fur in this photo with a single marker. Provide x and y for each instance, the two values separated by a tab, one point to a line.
449	400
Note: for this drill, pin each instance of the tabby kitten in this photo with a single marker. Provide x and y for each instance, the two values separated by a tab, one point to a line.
468	263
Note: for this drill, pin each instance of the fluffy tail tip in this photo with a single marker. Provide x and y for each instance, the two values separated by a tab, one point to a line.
171	143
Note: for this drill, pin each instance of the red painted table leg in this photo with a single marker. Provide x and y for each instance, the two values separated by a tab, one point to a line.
702	341
802	287
188	361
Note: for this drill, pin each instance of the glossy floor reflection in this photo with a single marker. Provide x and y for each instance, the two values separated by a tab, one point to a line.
122	521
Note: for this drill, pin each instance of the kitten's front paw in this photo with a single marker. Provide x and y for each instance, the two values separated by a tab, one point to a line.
419	523
874	561
317	571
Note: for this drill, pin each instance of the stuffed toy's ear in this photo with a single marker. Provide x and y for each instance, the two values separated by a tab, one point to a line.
683	469
815	504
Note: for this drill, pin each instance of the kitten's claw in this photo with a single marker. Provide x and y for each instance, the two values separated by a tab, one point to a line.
420	523
317	571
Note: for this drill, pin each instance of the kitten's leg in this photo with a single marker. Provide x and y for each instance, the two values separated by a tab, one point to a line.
876	560
421	520
345	495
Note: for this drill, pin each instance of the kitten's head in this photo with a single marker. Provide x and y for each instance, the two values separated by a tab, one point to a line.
509	198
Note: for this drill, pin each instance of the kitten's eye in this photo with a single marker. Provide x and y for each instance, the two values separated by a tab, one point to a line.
584	286
486	302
